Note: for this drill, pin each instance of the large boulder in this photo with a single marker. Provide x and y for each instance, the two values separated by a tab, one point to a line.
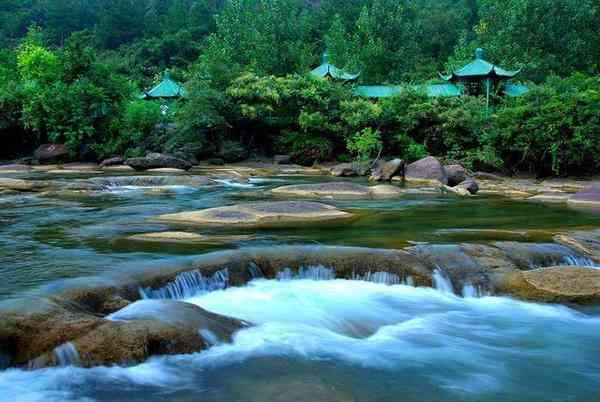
456	174
51	153
559	284
336	189
143	329
259	214
588	197
384	171
29	328
156	160
428	169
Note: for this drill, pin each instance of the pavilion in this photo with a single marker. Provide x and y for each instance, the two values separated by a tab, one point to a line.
167	89
480	77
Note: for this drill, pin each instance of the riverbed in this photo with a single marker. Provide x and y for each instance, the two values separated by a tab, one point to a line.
314	337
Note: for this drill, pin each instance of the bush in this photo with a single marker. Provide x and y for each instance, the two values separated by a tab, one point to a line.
365	144
553	130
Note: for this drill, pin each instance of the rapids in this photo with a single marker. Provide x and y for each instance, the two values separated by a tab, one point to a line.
343	340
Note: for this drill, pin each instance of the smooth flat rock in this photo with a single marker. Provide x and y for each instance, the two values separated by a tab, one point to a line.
118	168
259	213
588	197
337	189
187	237
586	242
562	284
554	197
166	170
73	171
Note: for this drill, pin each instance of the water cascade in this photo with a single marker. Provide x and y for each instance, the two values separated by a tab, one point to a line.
188	284
442	282
386	278
316	273
66	355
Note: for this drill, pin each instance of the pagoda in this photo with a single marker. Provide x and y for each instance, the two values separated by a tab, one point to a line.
480	76
166	89
327	70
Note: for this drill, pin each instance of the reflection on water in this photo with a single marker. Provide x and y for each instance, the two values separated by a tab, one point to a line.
44	239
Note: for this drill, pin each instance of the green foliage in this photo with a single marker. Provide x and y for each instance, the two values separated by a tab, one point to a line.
364	144
555	129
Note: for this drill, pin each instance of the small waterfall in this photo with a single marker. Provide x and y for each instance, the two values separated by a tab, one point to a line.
188	284
210	337
441	282
316	273
579	261
255	271
66	354
386	278
472	291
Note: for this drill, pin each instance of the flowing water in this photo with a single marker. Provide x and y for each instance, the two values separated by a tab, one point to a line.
315	338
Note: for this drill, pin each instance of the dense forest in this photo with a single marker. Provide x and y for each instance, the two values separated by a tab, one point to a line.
71	72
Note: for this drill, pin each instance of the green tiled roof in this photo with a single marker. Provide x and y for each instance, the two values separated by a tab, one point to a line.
515	90
167	88
329	70
384	91
479	68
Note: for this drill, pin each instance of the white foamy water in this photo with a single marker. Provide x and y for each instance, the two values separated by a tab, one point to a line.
233	183
373	341
125	190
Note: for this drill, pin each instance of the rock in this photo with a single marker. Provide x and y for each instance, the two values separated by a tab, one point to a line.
22	185
216	161
468	185
156	160
343	169
456	174
187	237
463	192
119	168
260	213
588	197
343	189
386	190
151	181
559	284
428	168
337	189
282	159
29	328
586	242
14	168
148	328
81	166
114	161
554	197
166	170
488	176
51	153
384	171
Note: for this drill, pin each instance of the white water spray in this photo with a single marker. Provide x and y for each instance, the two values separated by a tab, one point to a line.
188	284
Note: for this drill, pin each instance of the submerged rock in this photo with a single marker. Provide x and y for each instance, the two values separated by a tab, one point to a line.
426	169
469	185
562	284
260	213
23	185
156	160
